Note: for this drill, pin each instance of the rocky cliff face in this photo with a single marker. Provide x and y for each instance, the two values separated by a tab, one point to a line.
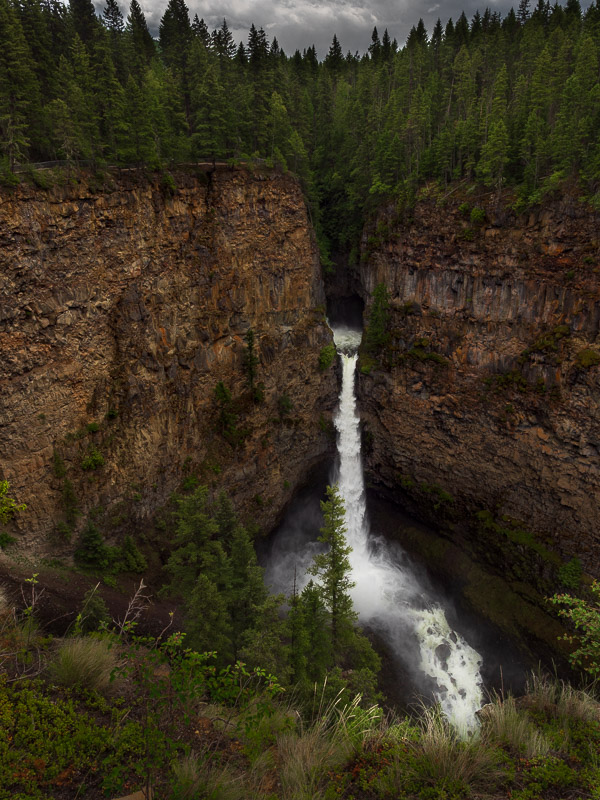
121	308
484	410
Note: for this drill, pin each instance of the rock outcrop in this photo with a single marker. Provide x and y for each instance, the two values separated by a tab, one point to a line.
484	408
121	308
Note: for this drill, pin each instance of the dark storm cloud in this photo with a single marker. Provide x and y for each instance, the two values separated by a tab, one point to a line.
300	23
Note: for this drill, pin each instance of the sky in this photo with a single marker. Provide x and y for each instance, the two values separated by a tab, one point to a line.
301	23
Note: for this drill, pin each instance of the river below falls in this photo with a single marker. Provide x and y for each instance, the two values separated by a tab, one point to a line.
432	649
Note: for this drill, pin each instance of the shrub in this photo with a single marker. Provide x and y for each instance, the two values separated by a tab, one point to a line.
587	358
585	616
85	662
464	209
91	552
93	460
129	557
326	357
8	506
6	540
92	427
570	574
477	216
284	405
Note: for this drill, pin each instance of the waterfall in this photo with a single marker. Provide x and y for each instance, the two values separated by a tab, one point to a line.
386	595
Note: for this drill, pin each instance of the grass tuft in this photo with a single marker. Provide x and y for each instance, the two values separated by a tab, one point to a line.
195	778
86	662
504	724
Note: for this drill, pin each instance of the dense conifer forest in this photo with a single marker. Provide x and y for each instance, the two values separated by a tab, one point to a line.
513	100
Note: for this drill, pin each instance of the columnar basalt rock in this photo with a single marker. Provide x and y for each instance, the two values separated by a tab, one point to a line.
488	404
121	308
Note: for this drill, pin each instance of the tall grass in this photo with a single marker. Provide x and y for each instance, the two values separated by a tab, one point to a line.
195	778
84	661
443	755
503	723
328	741
558	699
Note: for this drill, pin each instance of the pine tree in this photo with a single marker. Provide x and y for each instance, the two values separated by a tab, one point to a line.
332	570
141	44
18	89
85	21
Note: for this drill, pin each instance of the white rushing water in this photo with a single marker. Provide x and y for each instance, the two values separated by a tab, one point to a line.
387	595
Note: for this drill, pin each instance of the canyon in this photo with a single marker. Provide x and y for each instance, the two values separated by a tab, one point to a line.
124	302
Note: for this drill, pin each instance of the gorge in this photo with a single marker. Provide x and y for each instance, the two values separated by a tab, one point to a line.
125	305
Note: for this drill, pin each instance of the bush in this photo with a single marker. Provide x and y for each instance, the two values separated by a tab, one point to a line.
93	460
587	358
477	216
326	357
84	662
129	557
585	616
91	552
570	574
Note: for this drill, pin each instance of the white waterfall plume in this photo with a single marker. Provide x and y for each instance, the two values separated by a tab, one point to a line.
385	592
387	596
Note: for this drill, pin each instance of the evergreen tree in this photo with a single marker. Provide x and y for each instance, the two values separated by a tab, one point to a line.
18	89
141	44
332	569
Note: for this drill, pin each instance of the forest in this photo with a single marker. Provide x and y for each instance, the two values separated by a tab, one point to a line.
511	100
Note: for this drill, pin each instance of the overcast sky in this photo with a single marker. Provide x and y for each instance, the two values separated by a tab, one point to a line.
300	23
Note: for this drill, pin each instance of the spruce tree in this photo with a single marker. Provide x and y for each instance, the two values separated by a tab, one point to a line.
332	570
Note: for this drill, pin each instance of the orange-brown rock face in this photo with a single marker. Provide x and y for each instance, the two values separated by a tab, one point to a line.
491	398
121	308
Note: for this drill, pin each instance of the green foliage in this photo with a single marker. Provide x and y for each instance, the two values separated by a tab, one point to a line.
227	420
326	357
570	574
6	540
376	335
128	558
93	460
584	615
213	567
91	552
477	216
92	427
84	662
588	358
284	405
8	505
332	568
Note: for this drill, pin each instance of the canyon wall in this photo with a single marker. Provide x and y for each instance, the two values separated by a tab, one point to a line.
122	305
483	409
